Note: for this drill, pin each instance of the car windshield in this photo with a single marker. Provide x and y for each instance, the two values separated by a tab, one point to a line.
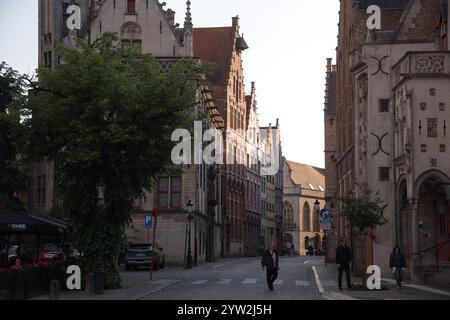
141	246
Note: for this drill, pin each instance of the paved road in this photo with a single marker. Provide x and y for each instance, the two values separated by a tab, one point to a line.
241	279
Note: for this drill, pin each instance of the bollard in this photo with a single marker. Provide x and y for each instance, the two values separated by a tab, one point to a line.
4	295
54	290
90	284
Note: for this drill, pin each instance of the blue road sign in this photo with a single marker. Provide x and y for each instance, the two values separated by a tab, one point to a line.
325	219
148	222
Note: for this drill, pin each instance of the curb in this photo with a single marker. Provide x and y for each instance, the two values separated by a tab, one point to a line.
328	295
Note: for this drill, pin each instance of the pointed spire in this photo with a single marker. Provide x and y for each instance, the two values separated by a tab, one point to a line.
188	20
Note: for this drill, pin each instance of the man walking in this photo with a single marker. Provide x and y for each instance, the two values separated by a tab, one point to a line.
270	263
343	259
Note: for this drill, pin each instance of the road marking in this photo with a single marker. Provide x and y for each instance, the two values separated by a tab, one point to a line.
278	282
306	262
162	281
250	281
200	282
227	264
302	283
225	281
319	284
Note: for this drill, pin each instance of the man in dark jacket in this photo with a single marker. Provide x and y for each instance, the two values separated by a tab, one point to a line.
343	259
270	263
397	263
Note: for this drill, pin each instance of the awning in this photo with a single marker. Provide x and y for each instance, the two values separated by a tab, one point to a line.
21	223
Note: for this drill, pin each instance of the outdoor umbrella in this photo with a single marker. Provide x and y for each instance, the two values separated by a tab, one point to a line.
21	223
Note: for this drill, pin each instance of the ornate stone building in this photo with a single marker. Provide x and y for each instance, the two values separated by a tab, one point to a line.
271	186
330	126
303	189
253	177
151	27
399	101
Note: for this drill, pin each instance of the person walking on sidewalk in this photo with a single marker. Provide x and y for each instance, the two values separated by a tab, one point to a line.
270	263
343	259
397	263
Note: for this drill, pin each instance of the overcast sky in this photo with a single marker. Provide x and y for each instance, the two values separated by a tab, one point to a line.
289	42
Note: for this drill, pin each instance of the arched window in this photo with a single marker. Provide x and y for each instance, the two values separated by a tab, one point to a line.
131	33
306	217
316	220
288	217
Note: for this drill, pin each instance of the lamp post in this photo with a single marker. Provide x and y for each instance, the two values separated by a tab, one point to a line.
99	272
190	217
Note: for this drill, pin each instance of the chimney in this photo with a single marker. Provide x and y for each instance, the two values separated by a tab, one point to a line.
235	21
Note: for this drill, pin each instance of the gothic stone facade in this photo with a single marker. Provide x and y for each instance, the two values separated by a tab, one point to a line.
399	105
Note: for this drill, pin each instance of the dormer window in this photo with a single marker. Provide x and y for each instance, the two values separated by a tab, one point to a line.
131	6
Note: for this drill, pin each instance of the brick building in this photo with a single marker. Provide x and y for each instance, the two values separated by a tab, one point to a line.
223	47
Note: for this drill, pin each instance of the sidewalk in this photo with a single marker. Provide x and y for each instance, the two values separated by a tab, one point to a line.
137	285
134	292
326	280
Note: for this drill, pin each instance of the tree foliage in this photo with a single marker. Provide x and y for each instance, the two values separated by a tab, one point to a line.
12	180
106	113
364	210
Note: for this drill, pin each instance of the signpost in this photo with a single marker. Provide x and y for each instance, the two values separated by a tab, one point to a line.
155	218
325	224
148	225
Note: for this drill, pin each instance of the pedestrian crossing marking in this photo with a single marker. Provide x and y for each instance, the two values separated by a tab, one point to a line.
250	281
225	281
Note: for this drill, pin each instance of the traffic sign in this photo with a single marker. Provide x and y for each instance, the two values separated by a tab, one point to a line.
148	222
325	219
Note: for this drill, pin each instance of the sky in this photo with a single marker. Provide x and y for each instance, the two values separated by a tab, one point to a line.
289	42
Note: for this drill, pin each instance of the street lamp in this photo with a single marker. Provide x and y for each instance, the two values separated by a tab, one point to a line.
99	272
190	217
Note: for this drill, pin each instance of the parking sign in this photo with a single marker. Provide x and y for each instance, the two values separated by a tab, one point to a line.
148	222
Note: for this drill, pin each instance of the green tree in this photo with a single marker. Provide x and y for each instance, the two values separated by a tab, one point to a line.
12	180
364	210
106	113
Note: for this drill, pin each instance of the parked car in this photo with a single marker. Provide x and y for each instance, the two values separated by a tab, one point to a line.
140	255
49	252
